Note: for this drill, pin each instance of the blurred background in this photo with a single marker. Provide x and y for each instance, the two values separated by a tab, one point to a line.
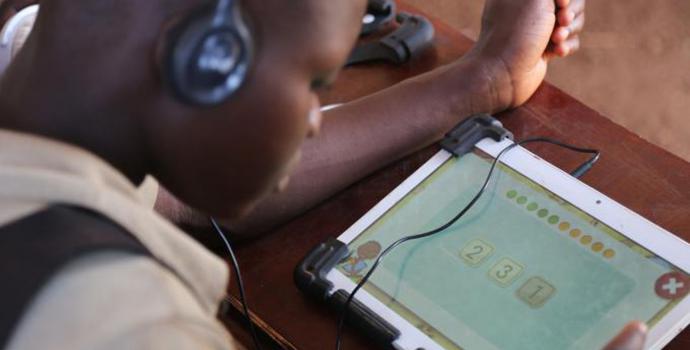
633	66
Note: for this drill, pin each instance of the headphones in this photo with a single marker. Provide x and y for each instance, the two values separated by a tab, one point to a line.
14	34
208	55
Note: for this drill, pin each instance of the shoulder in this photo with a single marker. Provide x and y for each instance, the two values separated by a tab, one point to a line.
114	297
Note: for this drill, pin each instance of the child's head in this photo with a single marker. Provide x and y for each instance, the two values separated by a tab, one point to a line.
91	69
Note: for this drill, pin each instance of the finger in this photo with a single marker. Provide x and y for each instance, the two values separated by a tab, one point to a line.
577	6
562	3
560	35
566	48
549	53
565	16
631	338
577	25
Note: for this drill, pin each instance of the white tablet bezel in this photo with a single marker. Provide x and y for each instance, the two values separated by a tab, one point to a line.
604	209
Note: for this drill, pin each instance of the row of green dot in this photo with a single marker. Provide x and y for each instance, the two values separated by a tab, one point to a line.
597	247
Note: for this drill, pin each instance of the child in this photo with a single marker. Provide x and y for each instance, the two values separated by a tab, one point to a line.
86	112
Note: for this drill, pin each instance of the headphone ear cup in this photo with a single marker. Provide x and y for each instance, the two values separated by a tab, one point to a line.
205	61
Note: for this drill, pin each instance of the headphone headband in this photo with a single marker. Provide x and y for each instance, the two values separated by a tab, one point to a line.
14	34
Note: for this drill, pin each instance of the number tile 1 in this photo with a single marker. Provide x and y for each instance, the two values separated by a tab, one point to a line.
536	292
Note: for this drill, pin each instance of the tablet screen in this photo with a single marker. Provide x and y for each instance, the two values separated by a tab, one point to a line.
524	269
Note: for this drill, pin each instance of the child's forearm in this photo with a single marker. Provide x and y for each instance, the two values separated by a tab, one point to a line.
365	135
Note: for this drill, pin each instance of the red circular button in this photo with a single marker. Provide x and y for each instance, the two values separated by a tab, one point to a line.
672	285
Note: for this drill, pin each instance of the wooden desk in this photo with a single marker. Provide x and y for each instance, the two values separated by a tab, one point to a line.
639	175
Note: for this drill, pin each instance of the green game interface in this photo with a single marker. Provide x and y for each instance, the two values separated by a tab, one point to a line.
522	270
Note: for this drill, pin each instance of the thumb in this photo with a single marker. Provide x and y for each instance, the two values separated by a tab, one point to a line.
632	337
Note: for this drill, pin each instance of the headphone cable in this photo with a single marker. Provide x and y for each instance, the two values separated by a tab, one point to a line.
577	173
240	283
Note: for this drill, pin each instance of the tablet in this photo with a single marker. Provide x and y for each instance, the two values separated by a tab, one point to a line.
542	261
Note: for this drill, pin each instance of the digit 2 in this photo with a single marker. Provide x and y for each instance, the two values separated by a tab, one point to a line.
478	250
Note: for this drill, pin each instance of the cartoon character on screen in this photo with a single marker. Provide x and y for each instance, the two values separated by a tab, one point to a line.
356	264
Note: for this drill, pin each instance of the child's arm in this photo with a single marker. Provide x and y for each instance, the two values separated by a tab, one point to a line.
502	71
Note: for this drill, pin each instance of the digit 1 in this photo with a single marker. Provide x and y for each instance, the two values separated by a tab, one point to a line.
539	288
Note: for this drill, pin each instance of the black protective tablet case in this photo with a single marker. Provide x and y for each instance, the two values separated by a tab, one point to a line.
310	274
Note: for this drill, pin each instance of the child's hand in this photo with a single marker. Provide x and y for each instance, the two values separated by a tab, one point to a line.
517	40
570	19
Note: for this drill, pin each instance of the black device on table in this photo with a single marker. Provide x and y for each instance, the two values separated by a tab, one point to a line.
414	35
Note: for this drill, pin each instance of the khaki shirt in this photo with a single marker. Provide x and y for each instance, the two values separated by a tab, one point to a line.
110	300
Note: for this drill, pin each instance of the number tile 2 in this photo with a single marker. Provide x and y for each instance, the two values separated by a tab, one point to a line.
476	251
